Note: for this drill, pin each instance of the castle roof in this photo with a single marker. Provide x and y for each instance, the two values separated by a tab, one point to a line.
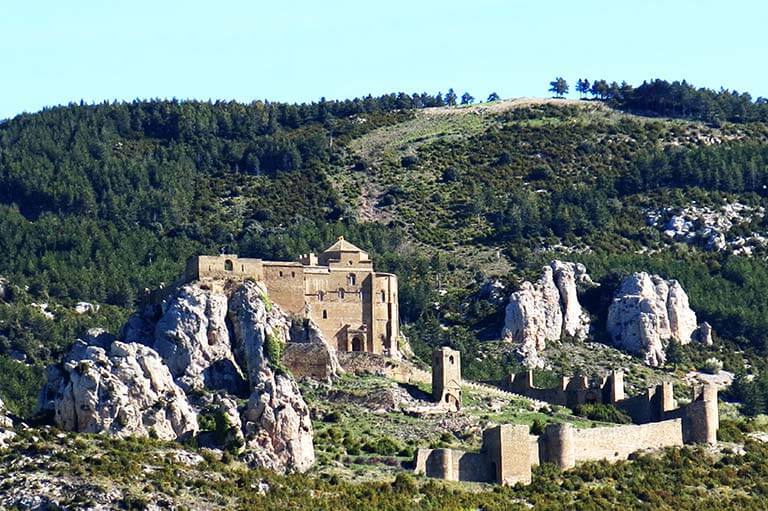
343	245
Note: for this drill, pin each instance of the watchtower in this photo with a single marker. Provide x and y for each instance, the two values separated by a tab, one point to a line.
446	377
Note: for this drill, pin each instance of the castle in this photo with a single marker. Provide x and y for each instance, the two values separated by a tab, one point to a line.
509	451
354	306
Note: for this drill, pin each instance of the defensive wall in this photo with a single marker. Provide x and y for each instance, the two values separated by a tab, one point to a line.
509	451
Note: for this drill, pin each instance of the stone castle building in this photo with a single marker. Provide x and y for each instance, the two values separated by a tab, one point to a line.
509	451
446	378
355	307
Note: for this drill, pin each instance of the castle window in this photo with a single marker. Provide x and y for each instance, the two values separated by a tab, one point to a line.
293	274
228	266
280	273
383	297
352	279
325	314
320	296
242	268
349	263
450	359
341	294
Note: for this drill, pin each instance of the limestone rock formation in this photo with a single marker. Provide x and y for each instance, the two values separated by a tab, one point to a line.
277	419
123	390
6	427
647	311
199	339
193	339
547	310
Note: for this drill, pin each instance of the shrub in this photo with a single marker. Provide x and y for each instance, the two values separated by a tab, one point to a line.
409	161
712	366
273	349
603	413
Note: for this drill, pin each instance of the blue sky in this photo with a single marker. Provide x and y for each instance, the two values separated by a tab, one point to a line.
54	52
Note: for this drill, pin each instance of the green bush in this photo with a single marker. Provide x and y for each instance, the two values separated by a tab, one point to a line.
603	413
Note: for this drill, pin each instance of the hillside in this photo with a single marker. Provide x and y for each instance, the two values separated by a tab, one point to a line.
104	204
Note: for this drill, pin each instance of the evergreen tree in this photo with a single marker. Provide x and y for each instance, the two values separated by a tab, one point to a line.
467	99
559	87
450	98
582	87
493	97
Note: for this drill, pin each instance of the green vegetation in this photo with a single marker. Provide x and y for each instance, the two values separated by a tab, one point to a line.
603	412
139	472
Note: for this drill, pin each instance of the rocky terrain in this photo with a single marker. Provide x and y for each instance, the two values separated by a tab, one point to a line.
711	227
548	309
181	360
646	312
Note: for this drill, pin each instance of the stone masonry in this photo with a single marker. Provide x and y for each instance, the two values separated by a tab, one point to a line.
355	307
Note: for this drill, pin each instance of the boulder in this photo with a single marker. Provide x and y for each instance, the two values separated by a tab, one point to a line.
86	307
547	310
192	338
647	311
125	390
277	421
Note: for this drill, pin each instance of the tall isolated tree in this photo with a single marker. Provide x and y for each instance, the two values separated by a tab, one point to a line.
493	97
467	99
559	87
582	87
450	98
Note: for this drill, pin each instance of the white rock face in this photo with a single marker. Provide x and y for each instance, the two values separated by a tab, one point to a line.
547	310
646	312
186	345
276	418
125	390
192	338
6	427
86	307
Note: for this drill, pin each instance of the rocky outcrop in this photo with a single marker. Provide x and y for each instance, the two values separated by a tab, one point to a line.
192	337
276	420
198	341
647	311
123	390
547	310
6	427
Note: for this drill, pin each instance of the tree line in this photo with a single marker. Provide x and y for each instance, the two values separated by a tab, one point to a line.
671	99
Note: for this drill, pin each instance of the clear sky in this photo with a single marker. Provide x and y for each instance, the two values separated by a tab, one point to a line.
56	51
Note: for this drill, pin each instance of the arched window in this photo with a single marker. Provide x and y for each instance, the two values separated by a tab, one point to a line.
352	279
357	344
341	293
228	266
450	359
383	297
325	314
320	296
280	273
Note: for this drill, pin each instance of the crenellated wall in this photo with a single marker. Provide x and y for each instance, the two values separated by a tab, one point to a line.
508	452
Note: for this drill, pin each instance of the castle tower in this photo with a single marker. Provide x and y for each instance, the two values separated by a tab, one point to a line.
615	387
701	420
558	441
507	448
446	377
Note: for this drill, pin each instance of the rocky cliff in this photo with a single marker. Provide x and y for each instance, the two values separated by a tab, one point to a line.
647	311
547	310
200	349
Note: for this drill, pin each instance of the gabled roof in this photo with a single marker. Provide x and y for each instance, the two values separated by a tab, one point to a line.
343	245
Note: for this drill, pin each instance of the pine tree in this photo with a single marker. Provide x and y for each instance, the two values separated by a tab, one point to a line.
559	87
